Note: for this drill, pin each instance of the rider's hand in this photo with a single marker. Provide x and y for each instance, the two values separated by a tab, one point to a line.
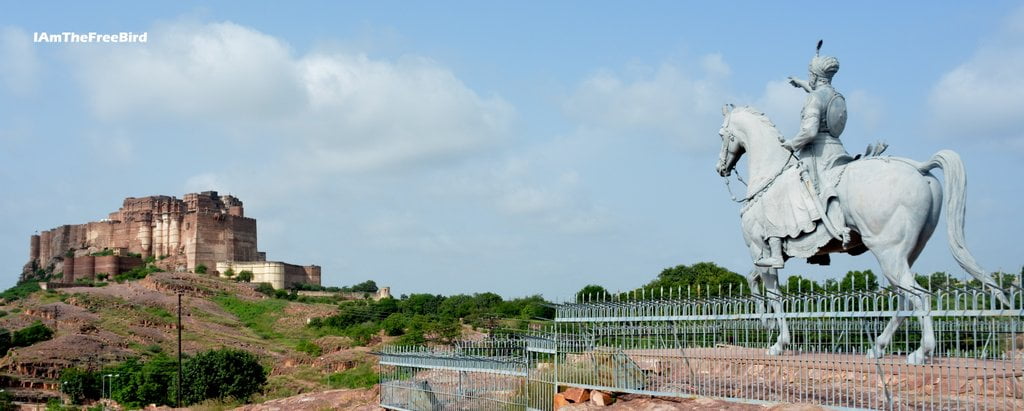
788	145
794	82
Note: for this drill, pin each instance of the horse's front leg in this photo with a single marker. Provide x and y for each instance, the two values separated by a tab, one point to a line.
755	291
771	285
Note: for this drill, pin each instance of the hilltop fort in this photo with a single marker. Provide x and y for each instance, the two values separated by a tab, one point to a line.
203	230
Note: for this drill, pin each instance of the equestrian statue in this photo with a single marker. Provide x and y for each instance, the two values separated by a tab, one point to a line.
807	198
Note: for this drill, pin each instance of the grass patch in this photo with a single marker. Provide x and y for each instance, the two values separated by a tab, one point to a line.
258	316
20	291
309	347
360	376
160	315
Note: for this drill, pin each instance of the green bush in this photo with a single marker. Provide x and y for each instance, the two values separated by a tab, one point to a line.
222	374
229	273
5	341
266	289
310	348
245	275
137	273
7	401
361	376
32	334
200	269
105	253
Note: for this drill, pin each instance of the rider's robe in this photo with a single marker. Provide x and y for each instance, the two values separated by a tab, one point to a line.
784	209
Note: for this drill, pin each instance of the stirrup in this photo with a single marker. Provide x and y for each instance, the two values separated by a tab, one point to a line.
770	262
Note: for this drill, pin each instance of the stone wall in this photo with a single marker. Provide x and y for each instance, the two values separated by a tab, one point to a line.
278	274
87	267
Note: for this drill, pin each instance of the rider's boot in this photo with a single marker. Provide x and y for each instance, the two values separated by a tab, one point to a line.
775	259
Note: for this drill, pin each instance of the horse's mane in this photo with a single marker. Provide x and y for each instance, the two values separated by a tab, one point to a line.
763	118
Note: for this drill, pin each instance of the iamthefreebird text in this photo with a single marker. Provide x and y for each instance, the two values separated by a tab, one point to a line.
90	37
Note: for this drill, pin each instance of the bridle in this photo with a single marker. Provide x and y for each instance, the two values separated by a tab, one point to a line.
722	157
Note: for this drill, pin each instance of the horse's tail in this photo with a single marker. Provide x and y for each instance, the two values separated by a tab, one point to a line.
956	205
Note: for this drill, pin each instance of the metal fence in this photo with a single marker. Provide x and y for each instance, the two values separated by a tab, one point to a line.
666	345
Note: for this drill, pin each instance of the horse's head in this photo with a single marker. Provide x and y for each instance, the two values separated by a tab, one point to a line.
732	148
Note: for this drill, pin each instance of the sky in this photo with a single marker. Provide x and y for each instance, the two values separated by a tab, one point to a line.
515	147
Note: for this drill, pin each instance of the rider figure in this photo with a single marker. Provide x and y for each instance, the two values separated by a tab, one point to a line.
822	121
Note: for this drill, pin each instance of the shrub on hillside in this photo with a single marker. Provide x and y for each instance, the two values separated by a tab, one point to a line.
310	348
222	374
32	334
245	276
265	289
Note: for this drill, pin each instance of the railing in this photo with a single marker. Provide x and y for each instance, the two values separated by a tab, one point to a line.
716	347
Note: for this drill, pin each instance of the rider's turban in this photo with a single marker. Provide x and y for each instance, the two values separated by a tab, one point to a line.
824	66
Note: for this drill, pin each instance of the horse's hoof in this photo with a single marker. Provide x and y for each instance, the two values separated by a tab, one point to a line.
775	350
875	353
916	358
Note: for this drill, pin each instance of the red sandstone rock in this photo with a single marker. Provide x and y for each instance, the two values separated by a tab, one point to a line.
601	398
576	395
560	401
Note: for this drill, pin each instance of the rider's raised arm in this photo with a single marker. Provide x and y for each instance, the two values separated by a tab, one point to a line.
795	82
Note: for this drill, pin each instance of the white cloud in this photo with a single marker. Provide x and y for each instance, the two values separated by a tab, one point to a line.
663	101
782	103
523	188
18	61
984	96
333	111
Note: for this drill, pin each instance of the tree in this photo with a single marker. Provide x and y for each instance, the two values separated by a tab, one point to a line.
139	384
368	286
394	324
245	276
224	373
703	280
797	284
590	291
422	304
79	385
859	281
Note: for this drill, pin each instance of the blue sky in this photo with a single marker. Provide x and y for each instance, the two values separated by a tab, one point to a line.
522	148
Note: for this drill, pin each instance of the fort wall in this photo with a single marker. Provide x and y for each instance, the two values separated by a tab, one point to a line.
204	228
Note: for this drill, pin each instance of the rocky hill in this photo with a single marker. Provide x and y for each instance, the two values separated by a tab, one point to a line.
96	326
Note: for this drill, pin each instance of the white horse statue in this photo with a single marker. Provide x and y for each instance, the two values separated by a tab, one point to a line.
891	206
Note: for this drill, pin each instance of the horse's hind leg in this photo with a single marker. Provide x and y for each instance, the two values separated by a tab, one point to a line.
883	340
897	269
